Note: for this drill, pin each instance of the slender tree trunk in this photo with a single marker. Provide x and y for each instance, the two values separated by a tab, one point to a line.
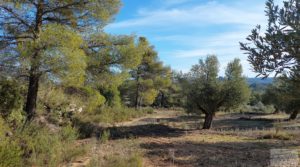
137	93
208	120
32	95
162	99
34	75
294	115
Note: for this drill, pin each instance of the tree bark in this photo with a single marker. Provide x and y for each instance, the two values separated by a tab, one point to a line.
294	115
34	75
32	93
162	104
208	120
137	93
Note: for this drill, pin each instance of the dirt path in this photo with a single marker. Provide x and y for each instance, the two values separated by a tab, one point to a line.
154	118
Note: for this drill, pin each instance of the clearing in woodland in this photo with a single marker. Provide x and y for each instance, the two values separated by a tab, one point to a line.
173	138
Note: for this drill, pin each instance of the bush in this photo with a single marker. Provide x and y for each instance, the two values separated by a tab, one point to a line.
105	136
10	98
258	108
261	108
10	150
38	146
10	153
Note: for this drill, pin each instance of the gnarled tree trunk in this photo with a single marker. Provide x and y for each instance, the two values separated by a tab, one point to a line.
294	115
208	120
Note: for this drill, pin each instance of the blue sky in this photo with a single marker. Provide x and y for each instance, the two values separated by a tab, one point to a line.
184	31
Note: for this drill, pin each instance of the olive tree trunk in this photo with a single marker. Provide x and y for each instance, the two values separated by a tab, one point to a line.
294	115
208	121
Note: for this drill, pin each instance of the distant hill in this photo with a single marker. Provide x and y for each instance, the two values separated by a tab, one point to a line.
259	84
259	81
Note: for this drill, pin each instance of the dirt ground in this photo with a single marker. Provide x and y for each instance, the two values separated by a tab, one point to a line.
172	138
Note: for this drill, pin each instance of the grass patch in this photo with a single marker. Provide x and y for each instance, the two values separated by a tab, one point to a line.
279	136
133	160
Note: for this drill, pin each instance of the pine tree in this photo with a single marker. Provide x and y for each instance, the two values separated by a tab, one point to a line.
45	38
148	79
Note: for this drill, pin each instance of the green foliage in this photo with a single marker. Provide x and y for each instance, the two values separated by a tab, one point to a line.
37	145
205	93
51	41
236	87
110	58
60	101
283	95
60	54
45	148
208	94
10	153
94	99
10	150
255	98
104	136
11	99
275	51
148	79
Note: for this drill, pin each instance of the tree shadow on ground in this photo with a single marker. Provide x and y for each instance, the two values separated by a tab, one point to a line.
225	154
242	124
87	129
151	130
183	118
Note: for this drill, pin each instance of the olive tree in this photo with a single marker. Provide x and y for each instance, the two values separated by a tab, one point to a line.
208	93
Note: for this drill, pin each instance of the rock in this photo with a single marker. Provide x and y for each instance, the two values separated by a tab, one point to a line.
8	134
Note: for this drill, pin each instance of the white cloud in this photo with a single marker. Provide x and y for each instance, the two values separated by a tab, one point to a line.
181	31
174	2
225	46
199	15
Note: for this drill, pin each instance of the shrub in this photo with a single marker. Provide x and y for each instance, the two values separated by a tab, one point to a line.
10	97
41	147
10	151
260	107
105	136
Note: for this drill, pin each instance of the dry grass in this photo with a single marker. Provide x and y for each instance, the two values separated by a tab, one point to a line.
232	142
